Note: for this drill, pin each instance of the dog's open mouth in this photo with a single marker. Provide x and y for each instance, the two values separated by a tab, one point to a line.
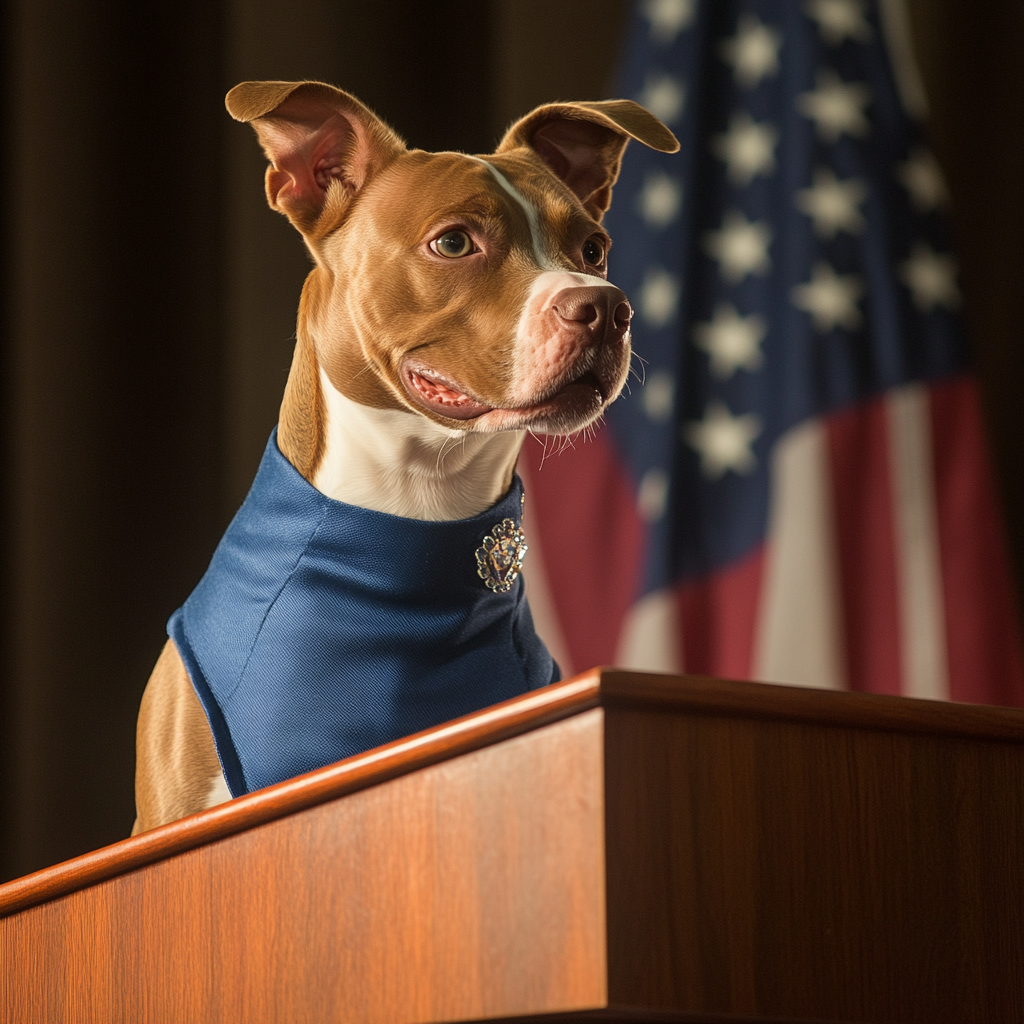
440	397
584	396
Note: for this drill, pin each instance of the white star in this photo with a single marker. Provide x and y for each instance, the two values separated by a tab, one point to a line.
668	18
659	199
753	52
832	204
830	298
659	297
652	497
839	19
931	276
658	395
747	147
723	441
836	107
922	177
663	96
740	246
732	341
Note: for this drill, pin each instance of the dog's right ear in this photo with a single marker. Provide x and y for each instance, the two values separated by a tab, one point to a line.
323	146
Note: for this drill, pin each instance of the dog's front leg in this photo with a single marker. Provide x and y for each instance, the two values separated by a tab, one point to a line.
176	772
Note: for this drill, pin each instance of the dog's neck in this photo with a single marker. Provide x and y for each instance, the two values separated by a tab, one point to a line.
394	461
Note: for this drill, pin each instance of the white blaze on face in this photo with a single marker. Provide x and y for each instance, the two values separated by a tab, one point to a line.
546	348
532	217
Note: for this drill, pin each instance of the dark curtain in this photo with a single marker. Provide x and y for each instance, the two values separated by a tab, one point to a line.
150	297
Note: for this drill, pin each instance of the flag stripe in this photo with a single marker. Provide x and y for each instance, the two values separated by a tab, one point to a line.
717	616
861	486
983	628
650	639
922	617
592	540
800	630
538	591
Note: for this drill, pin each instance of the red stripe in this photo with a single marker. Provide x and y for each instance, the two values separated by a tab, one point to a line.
982	626
592	540
718	618
866	539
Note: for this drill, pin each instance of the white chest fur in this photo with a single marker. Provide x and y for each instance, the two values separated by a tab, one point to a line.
406	465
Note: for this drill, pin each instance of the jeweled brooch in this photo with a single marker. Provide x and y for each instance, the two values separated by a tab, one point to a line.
500	558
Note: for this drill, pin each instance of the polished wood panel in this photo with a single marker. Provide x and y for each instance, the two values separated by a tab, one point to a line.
467	889
619	847
605	686
809	871
354	773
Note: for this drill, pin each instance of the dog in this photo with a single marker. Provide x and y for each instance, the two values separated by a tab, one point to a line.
368	586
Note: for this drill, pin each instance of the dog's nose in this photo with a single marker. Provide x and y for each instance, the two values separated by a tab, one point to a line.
597	309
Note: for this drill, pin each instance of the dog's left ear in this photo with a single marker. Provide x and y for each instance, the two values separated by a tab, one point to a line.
322	143
583	143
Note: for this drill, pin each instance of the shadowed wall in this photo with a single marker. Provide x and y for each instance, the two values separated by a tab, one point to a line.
150	301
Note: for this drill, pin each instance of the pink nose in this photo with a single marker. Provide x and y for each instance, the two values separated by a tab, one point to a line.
603	311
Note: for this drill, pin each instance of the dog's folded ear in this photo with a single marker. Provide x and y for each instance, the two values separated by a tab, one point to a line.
583	143
323	146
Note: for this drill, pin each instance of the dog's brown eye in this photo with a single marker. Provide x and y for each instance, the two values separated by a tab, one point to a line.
453	244
593	252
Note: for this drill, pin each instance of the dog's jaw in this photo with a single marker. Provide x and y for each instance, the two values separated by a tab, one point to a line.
399	462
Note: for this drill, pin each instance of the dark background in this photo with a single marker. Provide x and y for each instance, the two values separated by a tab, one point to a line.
149	301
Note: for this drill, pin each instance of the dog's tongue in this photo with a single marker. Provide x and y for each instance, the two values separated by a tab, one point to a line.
443	399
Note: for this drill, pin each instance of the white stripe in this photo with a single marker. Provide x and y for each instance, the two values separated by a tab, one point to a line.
925	672
800	636
900	44
532	217
650	640
542	604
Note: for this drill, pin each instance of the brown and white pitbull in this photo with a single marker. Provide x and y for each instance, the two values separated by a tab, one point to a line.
455	302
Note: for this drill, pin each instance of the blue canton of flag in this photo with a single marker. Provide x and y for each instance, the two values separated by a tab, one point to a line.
799	491
789	264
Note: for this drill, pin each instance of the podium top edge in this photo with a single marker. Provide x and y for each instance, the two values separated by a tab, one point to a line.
598	687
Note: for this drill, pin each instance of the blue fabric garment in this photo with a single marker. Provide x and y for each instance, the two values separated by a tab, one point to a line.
321	629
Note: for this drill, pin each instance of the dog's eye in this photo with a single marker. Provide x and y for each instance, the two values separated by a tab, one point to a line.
593	252
453	244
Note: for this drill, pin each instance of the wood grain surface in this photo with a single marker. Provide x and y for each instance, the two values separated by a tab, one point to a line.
459	736
619	847
808	871
467	889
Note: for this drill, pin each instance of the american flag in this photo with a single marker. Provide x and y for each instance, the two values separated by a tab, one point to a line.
799	490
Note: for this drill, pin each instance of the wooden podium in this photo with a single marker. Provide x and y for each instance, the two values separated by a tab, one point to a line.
619	847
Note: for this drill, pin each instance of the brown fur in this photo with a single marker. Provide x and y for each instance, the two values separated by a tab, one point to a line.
376	298
176	760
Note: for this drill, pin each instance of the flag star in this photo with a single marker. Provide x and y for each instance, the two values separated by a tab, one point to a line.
833	204
658	395
753	52
652	495
836	107
733	342
748	148
740	246
668	18
922	177
839	19
663	96
659	297
830	298
723	441
931	277
660	199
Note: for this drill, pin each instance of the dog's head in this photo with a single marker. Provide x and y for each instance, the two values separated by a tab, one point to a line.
470	289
